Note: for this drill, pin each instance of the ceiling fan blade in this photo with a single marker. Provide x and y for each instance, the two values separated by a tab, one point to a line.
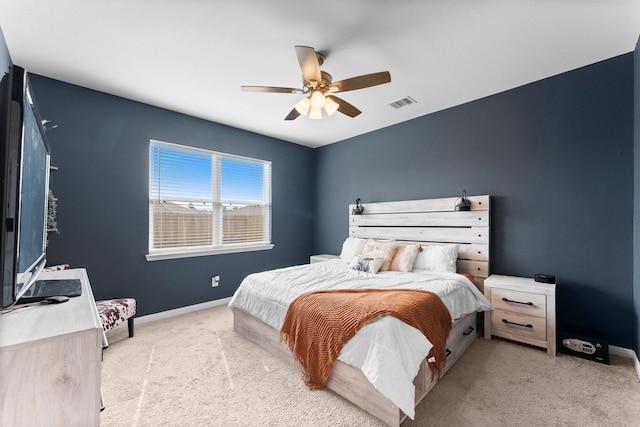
344	107
270	89
308	64
360	82
292	115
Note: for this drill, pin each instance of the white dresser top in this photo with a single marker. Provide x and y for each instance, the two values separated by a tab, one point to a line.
42	321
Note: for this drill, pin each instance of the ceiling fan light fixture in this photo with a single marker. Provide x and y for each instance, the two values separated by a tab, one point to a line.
303	105
315	113
317	99
330	106
317	84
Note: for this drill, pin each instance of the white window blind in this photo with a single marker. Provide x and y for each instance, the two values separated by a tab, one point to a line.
203	200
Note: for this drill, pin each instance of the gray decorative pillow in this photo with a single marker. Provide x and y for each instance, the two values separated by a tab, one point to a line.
366	264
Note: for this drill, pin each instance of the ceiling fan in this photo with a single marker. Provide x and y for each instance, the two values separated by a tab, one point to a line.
319	87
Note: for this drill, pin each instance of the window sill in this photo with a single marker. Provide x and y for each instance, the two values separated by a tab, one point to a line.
189	254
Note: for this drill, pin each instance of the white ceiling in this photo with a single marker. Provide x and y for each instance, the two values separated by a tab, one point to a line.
192	56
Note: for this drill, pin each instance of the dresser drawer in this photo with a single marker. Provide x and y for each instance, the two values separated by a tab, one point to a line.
510	325
461	336
464	331
519	302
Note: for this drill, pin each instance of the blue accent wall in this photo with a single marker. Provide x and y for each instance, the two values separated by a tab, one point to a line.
101	147
557	157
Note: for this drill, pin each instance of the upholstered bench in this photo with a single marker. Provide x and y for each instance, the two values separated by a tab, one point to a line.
112	312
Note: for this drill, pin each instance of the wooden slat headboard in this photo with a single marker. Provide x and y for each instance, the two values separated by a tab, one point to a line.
432	222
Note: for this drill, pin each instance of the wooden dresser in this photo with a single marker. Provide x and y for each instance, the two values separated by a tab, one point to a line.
523	310
50	359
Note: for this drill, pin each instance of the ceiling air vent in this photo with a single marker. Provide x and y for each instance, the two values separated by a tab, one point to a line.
403	102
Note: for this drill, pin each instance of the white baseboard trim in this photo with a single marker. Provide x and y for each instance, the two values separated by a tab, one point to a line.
176	312
628	353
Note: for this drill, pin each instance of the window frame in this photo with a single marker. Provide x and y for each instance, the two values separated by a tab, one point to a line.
216	199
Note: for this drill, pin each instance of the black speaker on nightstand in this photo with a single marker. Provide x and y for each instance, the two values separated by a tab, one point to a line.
544	278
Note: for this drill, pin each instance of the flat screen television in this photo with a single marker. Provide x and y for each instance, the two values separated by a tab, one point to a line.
24	163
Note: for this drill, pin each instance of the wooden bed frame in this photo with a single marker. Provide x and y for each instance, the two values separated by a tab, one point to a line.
432	222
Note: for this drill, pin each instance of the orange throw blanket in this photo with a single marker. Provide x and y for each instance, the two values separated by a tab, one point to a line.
318	324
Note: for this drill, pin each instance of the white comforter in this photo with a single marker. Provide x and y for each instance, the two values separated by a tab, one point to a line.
388	351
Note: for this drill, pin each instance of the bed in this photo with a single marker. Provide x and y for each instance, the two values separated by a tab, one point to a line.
363	373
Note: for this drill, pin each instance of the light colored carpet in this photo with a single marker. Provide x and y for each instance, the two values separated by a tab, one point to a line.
193	370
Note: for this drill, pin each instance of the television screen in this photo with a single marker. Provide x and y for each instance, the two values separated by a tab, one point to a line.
24	159
33	196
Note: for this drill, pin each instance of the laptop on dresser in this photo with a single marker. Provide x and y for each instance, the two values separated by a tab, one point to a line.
47	288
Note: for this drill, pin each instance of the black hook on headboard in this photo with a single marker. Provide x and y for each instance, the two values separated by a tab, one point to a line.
358	209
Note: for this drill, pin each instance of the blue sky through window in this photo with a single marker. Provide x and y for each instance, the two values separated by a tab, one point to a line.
242	180
182	174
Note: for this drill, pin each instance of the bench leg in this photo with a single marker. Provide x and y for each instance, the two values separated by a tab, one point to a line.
130	325
105	343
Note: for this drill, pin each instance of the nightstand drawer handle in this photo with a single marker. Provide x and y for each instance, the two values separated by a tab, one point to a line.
528	325
516	302
468	331
447	353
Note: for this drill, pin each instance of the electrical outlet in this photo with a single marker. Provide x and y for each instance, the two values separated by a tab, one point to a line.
215	281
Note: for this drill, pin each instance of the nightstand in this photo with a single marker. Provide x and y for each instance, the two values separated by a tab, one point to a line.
523	310
322	258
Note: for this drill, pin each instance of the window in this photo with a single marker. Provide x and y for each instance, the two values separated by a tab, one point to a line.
203	202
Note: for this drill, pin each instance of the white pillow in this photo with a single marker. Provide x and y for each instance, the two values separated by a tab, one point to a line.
351	247
365	263
437	258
